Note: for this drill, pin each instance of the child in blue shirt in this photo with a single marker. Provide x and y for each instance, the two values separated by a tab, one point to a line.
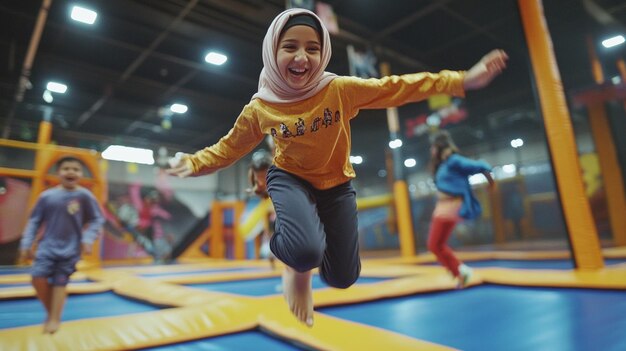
64	211
455	200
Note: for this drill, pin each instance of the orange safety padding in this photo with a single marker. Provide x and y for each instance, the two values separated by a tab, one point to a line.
611	171
495	197
581	228
404	217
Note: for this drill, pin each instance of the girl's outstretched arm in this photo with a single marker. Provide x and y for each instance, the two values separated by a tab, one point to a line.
241	139
179	167
485	70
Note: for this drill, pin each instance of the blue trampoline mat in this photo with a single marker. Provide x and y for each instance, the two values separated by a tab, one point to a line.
497	318
22	312
252	340
534	264
13	285
265	286
14	270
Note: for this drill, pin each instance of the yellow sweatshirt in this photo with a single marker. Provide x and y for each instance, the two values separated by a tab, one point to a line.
312	137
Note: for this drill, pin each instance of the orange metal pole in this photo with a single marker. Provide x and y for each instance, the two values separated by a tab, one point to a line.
400	190
581	228
621	67
596	67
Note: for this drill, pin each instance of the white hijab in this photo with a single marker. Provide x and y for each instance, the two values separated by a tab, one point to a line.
272	87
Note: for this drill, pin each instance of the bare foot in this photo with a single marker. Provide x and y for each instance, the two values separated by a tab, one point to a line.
298	294
50	327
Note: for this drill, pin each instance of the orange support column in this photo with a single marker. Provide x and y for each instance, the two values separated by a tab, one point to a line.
611	172
239	242
42	153
405	220
596	67
496	214
581	228
402	200
216	238
621	67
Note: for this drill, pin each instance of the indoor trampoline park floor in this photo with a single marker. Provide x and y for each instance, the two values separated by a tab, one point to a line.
515	301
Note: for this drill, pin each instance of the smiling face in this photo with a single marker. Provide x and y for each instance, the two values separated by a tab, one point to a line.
299	55
70	173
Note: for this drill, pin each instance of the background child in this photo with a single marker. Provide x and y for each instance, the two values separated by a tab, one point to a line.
257	173
455	200
64	211
308	111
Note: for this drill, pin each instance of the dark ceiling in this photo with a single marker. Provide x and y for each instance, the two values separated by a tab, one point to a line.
142	55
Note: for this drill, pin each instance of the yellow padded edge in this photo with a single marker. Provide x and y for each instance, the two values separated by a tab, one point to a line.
205	264
162	294
212	278
139	330
331	333
615	252
479	256
613	277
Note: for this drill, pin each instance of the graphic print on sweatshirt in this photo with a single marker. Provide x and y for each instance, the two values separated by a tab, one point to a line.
301	127
73	206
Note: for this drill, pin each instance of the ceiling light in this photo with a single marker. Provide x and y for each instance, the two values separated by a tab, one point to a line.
477	179
410	162
515	143
83	15
616	40
56	87
396	143
178	108
215	58
128	154
357	160
510	168
47	96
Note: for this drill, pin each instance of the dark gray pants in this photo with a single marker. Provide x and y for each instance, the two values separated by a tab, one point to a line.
315	228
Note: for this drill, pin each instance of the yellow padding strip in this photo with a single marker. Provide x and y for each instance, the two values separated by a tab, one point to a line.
375	291
388	271
376	271
331	333
615	252
478	256
137	330
217	264
212	278
607	278
162	294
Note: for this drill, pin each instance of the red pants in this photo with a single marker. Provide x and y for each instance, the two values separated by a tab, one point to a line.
440	231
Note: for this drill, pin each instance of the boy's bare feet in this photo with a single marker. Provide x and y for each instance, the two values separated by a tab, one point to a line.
298	294
51	326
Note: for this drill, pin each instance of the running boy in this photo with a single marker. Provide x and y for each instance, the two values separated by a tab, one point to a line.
64	211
